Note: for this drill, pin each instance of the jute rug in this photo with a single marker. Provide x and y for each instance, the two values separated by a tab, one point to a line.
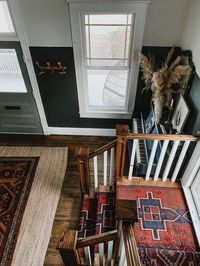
37	222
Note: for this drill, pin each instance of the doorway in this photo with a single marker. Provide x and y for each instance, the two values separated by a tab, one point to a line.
18	111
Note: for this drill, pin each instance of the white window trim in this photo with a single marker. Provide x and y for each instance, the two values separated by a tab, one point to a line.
9	36
138	9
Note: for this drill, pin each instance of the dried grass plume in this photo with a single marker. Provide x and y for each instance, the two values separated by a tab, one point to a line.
160	80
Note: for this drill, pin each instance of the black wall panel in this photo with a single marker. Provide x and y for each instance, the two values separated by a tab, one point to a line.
59	91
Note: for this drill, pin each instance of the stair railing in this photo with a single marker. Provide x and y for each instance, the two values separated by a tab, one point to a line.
88	251
118	247
92	172
171	157
121	248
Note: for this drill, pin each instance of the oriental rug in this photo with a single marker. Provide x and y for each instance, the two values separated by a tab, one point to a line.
16	177
164	233
97	214
36	225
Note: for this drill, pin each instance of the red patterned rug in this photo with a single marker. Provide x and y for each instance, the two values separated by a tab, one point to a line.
16	177
164	231
97	214
105	220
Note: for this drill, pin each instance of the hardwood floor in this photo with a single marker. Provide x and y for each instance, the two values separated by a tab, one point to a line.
67	214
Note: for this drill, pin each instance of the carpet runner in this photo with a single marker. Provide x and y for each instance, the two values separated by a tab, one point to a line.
164	233
16	177
97	214
88	217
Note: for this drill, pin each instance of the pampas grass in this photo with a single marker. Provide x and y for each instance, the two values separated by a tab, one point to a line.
161	80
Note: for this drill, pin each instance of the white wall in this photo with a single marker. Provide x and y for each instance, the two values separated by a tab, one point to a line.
47	22
191	34
165	22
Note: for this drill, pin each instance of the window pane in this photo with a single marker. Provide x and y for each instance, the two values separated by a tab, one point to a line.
11	79
108	19
108	41
107	87
110	62
6	24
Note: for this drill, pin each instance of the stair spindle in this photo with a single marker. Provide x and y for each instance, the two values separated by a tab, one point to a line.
88	255
112	152
101	254
161	158
105	154
180	160
134	147
151	160
170	160
95	173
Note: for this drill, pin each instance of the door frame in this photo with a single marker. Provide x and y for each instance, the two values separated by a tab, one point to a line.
191	172
16	16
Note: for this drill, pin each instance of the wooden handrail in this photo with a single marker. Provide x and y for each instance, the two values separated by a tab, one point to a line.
122	131
96	239
162	137
82	154
103	149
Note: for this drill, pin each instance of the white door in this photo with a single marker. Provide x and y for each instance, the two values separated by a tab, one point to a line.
195	189
18	110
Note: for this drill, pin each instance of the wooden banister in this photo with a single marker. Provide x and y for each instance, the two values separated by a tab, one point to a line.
103	148
122	131
67	248
82	154
96	239
162	137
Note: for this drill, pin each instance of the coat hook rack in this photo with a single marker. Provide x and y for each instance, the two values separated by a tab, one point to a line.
59	68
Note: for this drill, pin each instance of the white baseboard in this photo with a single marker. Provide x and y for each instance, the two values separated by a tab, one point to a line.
82	131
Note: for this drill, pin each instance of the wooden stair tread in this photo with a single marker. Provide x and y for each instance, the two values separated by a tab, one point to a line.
106	188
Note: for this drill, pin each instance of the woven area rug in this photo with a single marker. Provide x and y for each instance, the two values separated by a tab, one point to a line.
97	215
16	177
36	225
164	231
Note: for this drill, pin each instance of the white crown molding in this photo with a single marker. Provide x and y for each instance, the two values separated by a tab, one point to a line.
82	131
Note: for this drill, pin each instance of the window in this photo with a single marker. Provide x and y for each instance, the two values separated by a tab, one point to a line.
105	36
11	77
107	58
6	25
10	72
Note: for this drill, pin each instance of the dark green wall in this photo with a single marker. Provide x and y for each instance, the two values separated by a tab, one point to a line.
59	92
193	98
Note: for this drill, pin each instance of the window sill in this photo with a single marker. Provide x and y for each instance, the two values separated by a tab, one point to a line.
109	115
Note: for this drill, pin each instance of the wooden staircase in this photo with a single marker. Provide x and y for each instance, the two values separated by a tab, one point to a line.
103	169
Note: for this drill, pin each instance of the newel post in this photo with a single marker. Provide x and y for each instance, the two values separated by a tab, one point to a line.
82	154
122	131
67	248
